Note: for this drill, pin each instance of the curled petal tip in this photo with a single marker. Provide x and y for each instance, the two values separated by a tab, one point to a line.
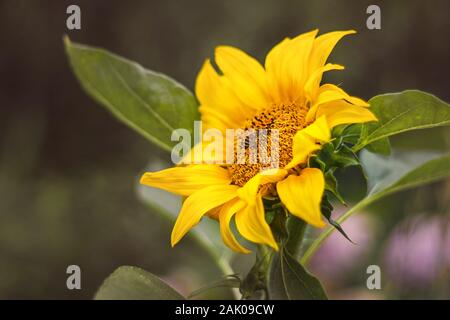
174	238
144	177
173	242
274	245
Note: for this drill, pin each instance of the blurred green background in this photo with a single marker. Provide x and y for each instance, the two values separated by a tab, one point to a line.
69	170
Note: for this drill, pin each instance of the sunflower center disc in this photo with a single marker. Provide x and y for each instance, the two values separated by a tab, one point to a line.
287	120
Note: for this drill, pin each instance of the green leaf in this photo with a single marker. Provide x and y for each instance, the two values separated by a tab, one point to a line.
229	281
340	156
381	146
151	103
401	112
290	280
388	175
326	207
352	135
403	169
331	185
132	283
254	281
349	134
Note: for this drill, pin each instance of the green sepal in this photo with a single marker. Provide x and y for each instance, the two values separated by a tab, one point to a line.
327	208
331	185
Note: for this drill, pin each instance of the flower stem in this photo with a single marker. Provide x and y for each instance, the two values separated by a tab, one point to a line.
296	231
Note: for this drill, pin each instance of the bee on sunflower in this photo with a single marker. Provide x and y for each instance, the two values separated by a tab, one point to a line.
286	95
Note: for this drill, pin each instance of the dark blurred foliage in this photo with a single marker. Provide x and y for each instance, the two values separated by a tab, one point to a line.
68	170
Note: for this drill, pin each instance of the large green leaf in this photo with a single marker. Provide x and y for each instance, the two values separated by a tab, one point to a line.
132	283
289	280
403	169
401	112
388	175
149	102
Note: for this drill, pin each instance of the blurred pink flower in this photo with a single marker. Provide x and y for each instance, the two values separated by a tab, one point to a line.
414	253
447	247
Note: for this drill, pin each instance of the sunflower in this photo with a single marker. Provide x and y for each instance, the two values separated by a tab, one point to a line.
285	94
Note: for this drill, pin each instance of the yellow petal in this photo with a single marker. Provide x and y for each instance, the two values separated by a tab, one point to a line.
319	130
214	93
344	95
275	71
214	213
329	92
195	155
216	118
251	224
341	112
249	191
287	67
323	45
303	147
197	205
245	74
312	85
186	180
306	141
226	213
301	47
208	152
302	195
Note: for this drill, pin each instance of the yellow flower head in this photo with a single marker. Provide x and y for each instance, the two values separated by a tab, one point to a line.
285	94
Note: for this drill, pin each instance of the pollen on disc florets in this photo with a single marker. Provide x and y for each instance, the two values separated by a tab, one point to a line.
287	119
